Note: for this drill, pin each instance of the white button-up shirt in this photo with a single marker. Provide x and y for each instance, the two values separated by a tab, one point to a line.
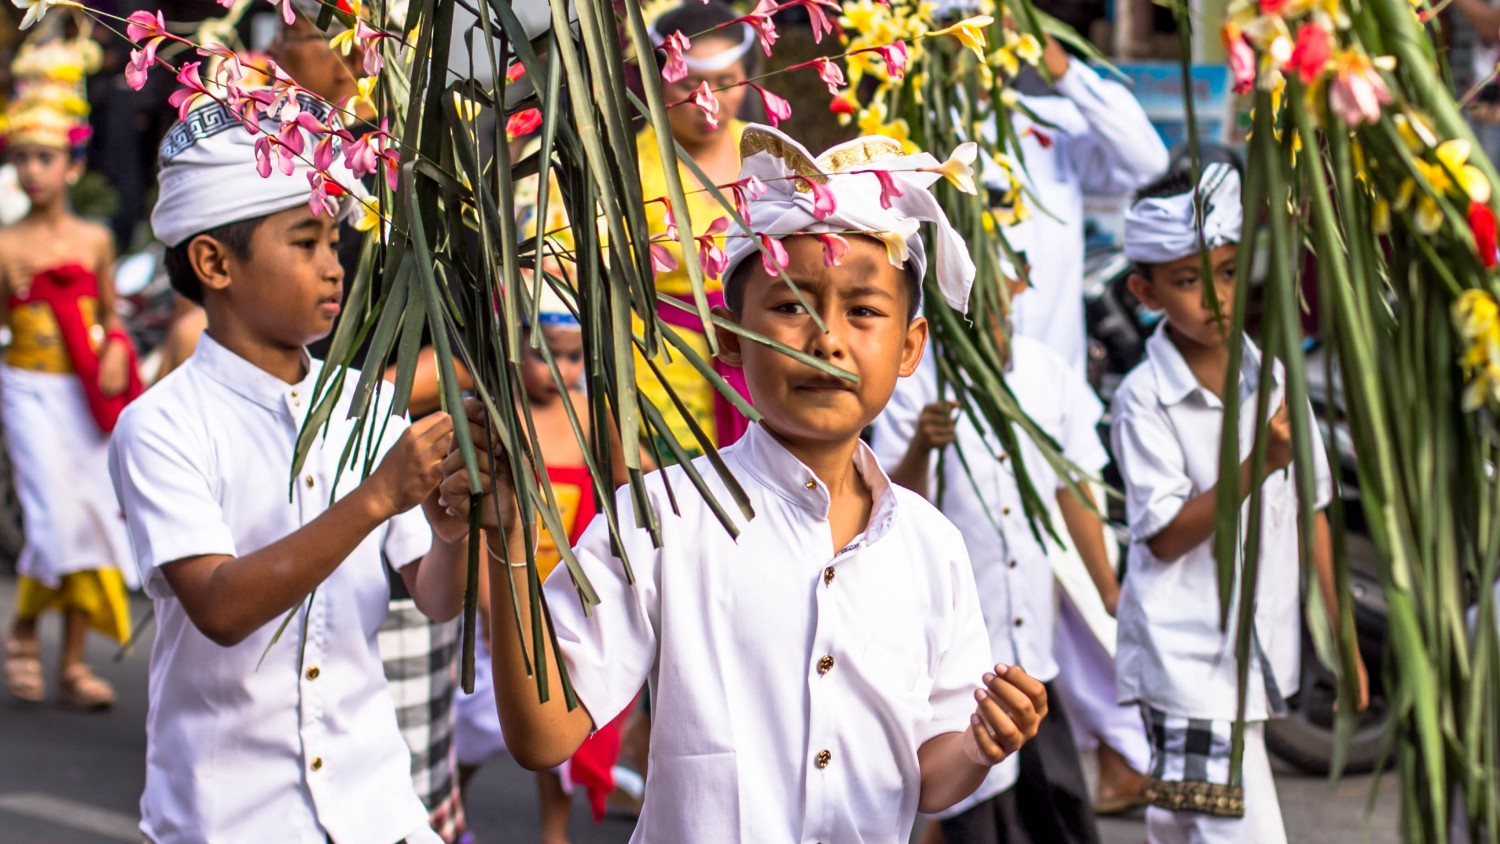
1098	142
1017	591
1172	654
791	685
239	750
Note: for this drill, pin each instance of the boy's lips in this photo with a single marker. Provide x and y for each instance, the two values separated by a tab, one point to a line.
826	383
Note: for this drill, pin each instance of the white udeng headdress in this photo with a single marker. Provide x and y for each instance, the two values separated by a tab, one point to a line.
852	172
208	175
1160	229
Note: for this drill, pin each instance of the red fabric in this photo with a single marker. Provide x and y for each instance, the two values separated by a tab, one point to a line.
728	421
61	289
576	476
593	763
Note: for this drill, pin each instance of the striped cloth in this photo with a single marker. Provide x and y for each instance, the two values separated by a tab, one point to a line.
422	670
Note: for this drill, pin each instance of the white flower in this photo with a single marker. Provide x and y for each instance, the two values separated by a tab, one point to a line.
36	9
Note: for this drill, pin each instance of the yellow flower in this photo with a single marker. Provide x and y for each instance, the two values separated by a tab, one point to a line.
369	215
1380	217
959	169
1453	155
364	88
35	9
467	108
969	32
1476	318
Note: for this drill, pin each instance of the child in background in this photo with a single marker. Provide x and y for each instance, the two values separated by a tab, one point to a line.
1173	658
825	673
477	732
69	371
1041	794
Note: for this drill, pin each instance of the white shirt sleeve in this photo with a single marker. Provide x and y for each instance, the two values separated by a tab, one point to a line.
1080	433
162	480
408	536
1152	464
1121	151
963	663
610	651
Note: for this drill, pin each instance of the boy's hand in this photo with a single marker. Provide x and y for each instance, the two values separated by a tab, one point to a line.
414	466
494	477
935	426
114	369
1279	440
1011	707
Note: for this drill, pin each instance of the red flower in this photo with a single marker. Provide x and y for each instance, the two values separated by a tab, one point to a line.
1482	223
523	123
1310	56
1273	7
841	105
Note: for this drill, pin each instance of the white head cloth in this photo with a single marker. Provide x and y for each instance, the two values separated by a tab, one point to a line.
848	171
553	312
717	61
207	173
1160	229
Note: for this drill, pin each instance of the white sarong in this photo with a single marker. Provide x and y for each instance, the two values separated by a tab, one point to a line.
61	462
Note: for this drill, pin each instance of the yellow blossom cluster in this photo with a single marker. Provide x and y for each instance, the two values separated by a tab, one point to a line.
1476	317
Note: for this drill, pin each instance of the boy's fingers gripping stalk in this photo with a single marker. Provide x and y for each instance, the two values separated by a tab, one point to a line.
413	468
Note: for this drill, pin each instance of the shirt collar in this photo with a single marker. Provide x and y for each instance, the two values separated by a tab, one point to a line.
247	379
1175	381
769	462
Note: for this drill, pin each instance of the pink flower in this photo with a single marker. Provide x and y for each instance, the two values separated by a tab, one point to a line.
745	190
835	249
263	150
895	56
704	98
661	259
1357	92
774	258
1310	56
522	123
824	202
141	25
777	109
889	187
668	217
831	74
323	153
515	72
140	64
710	254
675	68
817	13
192	86
760	20
361	157
1241	57
288	15
323	192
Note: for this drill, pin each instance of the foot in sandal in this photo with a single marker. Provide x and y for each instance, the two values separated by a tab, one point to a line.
23	669
80	688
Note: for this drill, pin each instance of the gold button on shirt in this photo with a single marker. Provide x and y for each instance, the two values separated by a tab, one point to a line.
824	757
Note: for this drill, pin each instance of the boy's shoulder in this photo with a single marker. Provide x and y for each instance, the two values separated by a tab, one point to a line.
1140	389
920	516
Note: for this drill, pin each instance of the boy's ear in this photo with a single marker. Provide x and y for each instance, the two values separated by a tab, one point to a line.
729	342
210	260
1141	288
916	343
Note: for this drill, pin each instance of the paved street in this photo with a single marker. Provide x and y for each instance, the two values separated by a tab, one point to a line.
67	778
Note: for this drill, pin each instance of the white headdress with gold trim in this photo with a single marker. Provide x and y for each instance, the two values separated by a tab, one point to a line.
853	172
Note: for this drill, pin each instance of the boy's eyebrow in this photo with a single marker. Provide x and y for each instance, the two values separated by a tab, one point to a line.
869	290
308	223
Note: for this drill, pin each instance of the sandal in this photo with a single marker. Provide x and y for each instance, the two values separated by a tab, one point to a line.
23	670
80	688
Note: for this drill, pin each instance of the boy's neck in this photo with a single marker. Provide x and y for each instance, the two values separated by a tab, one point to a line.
1208	363
282	363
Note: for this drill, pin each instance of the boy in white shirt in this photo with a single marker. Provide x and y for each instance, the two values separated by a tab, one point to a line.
249	741
1042	796
1173	659
826	674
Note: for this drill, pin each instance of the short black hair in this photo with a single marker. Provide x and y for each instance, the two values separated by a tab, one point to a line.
694	19
235	237
734	288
